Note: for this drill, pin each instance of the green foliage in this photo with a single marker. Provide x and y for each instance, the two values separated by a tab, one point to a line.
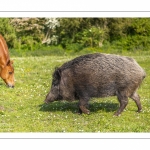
132	43
85	31
140	26
92	37
122	33
117	28
29	33
77	34
7	31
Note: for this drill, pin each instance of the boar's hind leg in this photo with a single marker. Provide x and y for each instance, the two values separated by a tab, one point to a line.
83	106
136	98
123	100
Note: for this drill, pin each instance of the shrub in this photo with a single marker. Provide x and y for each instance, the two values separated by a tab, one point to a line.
132	43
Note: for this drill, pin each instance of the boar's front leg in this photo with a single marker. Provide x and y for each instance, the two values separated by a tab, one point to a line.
83	106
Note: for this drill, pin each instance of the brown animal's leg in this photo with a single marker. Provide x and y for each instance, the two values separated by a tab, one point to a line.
136	98
83	106
123	100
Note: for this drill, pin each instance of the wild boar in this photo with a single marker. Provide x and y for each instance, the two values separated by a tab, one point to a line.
97	75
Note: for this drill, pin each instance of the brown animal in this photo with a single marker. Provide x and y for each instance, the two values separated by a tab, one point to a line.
6	67
97	75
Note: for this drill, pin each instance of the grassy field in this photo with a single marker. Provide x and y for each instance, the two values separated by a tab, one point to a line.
22	109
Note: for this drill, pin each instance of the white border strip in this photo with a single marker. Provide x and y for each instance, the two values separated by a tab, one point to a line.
74	5
74	136
72	14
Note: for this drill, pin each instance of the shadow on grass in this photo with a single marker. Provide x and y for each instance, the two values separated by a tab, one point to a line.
73	106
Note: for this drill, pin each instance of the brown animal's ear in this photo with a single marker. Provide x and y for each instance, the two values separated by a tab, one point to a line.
57	74
10	62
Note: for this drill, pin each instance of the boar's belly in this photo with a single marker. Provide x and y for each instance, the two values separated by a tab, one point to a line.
92	91
107	90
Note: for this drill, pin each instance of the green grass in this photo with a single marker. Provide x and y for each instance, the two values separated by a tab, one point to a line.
22	109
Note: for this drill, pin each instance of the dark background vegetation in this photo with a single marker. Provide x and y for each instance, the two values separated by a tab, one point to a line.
47	36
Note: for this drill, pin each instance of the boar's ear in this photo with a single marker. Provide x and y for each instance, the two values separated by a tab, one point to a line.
57	74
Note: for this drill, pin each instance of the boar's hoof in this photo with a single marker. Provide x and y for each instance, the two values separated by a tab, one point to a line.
79	111
84	110
116	114
140	110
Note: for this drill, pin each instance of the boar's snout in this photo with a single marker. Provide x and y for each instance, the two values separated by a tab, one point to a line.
49	98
